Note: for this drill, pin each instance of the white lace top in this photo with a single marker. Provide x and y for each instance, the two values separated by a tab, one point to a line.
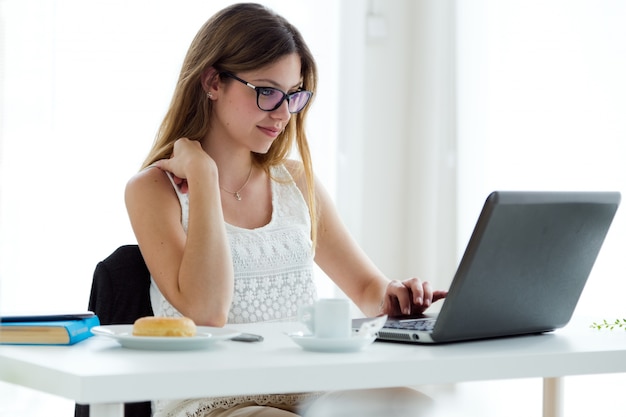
273	275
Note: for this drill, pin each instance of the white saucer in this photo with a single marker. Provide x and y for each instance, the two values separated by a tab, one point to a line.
351	344
204	338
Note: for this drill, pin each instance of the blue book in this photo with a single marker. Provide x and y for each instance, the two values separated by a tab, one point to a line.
46	330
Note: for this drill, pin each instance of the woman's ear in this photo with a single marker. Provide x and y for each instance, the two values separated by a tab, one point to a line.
210	80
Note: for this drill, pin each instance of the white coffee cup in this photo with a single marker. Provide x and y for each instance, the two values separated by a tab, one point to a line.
328	318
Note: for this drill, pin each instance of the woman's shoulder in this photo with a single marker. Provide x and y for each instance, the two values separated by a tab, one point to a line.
148	181
147	176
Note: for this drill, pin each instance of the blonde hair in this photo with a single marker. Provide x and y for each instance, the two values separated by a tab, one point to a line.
241	37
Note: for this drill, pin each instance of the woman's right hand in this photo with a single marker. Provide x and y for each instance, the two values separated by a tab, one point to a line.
186	156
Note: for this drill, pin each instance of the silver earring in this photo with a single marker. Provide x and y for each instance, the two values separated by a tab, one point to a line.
209	95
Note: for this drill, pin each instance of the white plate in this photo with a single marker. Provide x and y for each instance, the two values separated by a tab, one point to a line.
205	337
312	343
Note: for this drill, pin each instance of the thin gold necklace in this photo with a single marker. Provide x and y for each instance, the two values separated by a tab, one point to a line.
237	194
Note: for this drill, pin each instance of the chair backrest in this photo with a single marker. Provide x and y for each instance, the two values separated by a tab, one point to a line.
120	291
120	294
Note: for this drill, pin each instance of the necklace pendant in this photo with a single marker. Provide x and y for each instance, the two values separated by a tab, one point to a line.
237	196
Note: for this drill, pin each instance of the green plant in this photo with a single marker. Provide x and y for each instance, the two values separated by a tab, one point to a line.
605	324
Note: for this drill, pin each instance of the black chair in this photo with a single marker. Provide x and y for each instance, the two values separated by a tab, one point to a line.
120	294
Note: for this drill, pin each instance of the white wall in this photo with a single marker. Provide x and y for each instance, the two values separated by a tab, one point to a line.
396	178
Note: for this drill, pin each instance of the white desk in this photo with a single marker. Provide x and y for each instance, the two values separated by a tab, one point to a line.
98	371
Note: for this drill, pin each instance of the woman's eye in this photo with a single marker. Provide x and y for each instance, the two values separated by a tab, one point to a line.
268	92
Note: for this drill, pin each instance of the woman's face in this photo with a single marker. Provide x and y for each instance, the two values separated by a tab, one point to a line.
236	116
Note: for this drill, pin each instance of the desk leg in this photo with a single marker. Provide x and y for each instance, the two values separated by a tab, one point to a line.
553	397
106	410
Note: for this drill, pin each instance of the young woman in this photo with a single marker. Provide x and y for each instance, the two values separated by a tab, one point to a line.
229	226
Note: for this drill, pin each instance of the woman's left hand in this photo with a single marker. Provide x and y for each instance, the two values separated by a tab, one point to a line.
409	298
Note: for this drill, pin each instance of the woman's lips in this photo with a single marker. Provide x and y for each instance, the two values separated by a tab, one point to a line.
270	131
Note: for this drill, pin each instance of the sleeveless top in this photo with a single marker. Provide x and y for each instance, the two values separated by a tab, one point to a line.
273	267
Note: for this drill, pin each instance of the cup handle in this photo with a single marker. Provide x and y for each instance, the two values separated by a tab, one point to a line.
306	316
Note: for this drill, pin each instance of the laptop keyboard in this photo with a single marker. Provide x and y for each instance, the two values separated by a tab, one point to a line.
418	324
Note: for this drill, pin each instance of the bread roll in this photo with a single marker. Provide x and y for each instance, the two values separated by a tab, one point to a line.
164	327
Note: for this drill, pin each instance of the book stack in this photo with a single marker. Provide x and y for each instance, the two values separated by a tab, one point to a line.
53	329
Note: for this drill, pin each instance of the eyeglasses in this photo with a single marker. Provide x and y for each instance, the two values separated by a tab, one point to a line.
270	98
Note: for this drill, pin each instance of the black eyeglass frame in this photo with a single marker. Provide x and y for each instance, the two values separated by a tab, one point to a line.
280	102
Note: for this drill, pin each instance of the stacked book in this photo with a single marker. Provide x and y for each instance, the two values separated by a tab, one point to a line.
47	329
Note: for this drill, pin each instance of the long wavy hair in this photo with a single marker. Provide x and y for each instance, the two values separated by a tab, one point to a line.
239	38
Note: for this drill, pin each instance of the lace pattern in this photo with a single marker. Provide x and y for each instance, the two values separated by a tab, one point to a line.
197	408
273	276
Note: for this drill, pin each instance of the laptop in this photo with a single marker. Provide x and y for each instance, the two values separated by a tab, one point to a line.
523	270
